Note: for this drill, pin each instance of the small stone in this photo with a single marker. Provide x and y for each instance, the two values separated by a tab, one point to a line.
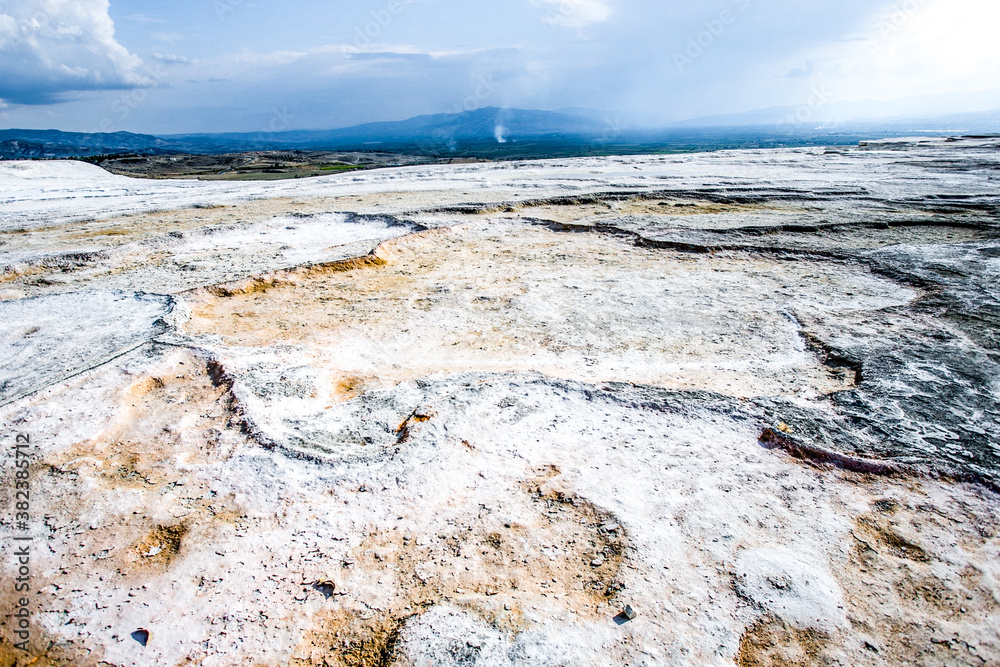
152	552
597	562
325	586
141	635
629	613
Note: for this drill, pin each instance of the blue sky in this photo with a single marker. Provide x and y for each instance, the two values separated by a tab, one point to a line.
242	65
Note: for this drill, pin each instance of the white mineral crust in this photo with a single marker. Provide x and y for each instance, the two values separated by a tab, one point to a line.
465	415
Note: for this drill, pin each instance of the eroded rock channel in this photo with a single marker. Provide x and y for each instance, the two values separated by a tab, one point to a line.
468	415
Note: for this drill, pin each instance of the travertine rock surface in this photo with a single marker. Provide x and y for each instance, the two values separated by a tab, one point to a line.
466	415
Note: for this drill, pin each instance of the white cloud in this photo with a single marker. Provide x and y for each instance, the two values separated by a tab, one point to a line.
171	59
915	48
145	18
52	47
334	53
574	13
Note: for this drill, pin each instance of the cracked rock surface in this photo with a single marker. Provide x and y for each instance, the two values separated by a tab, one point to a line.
466	415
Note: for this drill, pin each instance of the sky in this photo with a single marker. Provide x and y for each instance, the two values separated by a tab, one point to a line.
269	65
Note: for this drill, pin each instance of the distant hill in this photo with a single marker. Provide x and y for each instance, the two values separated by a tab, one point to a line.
497	133
489	124
26	144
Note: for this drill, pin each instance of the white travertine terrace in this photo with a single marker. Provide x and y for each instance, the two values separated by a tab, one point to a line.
464	415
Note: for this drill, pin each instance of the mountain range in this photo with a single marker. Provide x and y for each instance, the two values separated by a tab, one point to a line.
496	132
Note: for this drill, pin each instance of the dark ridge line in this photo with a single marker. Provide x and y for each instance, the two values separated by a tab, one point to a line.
974	318
811	228
831	356
771	439
959	196
946	204
65	261
692	247
669	401
851	226
389	219
733	196
774	439
932	289
773	251
874	264
160	323
712	196
77	257
567	200
104	361
240	418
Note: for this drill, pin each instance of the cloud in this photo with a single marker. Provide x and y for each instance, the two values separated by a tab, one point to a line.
923	47
614	54
171	59
52	48
337	53
574	13
168	37
145	18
